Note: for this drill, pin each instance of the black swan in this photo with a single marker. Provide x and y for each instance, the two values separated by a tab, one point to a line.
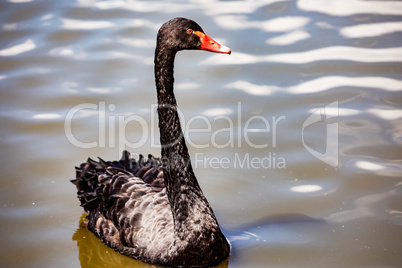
153	209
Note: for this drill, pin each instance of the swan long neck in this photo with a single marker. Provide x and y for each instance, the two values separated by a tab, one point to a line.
184	193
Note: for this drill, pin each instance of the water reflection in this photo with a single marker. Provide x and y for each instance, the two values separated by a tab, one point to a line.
217	112
135	42
369	166
281	24
339	53
326	83
363	207
18	49
387	114
315	55
103	90
338	8
47	116
274	231
371	29
70	24
307	188
186	86
249	88
288	38
93	253
68	52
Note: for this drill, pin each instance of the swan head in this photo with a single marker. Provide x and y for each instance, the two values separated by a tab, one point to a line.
185	34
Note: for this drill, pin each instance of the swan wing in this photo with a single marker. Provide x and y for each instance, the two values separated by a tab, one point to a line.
127	204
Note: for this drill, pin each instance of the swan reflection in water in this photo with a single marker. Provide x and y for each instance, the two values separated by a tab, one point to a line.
93	253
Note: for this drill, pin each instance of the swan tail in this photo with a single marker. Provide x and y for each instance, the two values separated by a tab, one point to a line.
92	176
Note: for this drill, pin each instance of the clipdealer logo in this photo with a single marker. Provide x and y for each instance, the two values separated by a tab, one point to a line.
323	115
256	132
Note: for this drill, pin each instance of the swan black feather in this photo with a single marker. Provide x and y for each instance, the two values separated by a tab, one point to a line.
153	209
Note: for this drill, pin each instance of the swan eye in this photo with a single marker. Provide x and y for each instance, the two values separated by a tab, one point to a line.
189	31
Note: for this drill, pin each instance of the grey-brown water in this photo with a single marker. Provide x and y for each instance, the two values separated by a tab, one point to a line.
295	137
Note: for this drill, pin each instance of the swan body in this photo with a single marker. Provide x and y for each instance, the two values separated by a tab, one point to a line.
154	209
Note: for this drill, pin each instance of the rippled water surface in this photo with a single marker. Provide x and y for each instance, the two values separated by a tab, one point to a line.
295	137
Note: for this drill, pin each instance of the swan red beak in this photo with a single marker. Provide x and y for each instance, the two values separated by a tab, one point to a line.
209	44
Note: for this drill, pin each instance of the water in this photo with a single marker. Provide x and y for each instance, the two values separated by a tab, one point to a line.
295	138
